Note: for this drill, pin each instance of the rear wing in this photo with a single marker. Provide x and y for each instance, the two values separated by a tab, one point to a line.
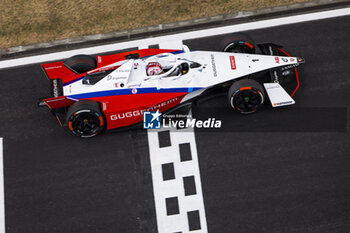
56	98
54	73
56	70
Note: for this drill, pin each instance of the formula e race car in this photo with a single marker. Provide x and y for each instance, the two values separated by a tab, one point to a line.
90	95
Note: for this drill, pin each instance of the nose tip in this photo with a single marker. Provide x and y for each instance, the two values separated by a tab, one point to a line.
301	60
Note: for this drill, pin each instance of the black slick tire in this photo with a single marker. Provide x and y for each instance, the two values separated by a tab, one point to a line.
238	43
246	96
84	119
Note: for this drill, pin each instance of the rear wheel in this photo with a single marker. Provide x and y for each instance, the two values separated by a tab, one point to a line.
246	96
84	119
81	63
238	43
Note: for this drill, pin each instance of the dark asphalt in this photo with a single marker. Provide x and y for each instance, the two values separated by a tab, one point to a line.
288	181
252	181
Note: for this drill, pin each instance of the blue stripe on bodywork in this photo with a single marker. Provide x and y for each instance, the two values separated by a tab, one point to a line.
129	92
178	52
73	81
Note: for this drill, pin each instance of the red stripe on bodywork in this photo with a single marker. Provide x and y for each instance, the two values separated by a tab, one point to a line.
125	110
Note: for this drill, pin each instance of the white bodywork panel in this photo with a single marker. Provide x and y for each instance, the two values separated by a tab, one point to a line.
278	96
214	68
118	76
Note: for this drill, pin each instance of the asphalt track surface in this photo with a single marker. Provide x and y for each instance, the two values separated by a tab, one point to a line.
278	181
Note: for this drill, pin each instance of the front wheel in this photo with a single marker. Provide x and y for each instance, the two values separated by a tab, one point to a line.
84	119
246	96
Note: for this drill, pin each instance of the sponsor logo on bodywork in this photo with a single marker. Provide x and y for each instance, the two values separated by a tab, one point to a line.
134	85
277	60
110	77
284	59
271	87
104	106
55	87
137	113
275	75
123	71
233	62
289	67
213	65
282	103
126	115
53	67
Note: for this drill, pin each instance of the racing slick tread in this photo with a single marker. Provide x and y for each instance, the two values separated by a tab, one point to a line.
238	42
246	85
88	107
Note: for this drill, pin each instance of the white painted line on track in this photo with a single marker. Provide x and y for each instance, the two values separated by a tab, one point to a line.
175	44
173	188
180	36
2	190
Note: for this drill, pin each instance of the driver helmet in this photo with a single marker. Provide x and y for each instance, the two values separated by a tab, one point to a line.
154	68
